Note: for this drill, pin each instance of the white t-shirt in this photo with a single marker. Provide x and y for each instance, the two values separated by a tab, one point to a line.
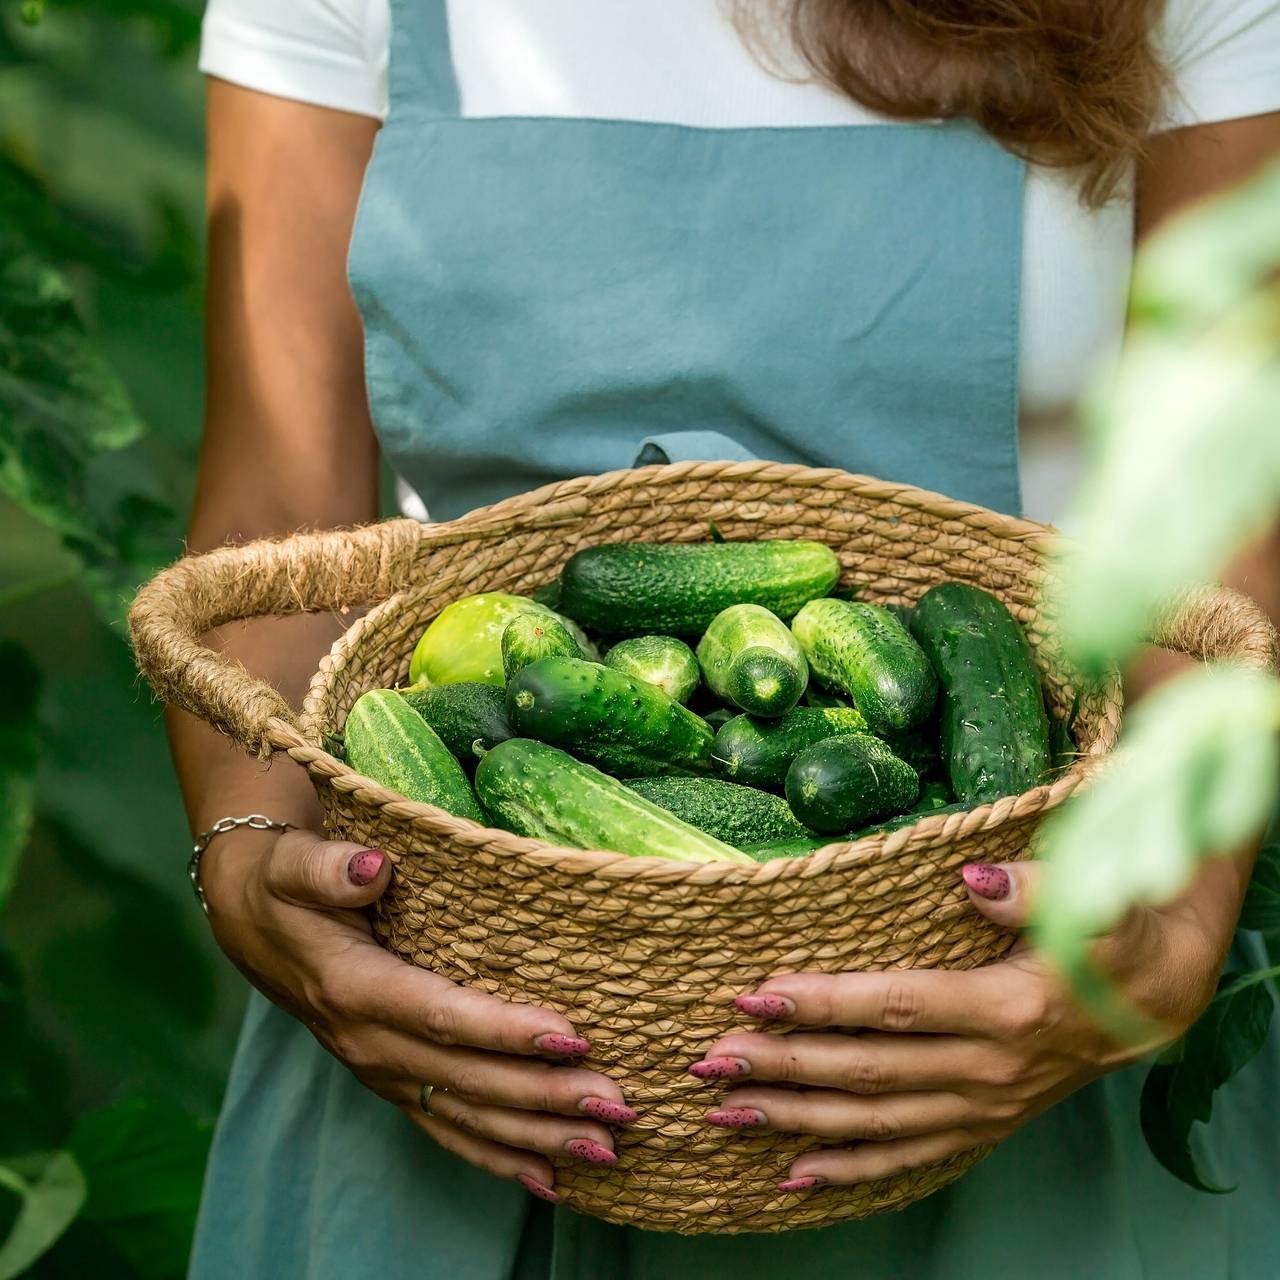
652	60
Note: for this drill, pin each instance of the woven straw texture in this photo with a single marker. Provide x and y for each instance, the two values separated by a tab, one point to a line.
646	956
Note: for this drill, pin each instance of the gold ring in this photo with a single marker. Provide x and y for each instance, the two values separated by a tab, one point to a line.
424	1098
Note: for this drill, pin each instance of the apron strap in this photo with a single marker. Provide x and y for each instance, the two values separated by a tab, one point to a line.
420	76
690	446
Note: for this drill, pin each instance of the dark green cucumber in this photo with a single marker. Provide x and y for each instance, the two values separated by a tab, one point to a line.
816	696
933	795
529	637
739	816
864	651
471	718
995	734
750	658
719	716
910	819
797	848
841	783
662	660
539	791
629	588
627	727
759	752
387	740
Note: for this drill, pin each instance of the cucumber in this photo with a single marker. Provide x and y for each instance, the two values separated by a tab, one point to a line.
759	752
909	820
737	815
530	636
627	727
795	848
816	696
471	718
464	641
662	660
933	795
539	791
841	783
995	733
750	658
387	740
864	651
629	588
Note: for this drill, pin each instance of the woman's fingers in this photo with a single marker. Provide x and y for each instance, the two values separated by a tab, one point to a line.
532	1171
493	1079
307	871
999	1001
873	1160
829	1113
871	1063
1002	892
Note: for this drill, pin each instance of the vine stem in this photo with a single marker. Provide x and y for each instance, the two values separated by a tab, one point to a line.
1248	980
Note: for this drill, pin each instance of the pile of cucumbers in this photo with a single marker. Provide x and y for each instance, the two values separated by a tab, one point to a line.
708	702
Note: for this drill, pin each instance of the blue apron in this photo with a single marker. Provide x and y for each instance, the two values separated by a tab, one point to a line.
546	298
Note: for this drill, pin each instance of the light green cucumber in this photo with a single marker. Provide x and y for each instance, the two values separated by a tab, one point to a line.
529	637
750	658
660	660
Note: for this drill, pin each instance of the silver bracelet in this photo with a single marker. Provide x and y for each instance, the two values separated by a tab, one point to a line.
256	821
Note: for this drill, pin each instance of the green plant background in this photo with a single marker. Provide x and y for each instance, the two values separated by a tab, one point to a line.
117	1018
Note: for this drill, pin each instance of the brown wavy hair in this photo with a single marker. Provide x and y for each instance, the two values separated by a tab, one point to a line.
1067	83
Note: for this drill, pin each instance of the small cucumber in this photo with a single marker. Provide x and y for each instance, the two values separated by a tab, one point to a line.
995	734
628	727
759	752
661	660
539	791
841	783
630	588
864	651
739	816
471	718
388	741
464	641
529	637
750	658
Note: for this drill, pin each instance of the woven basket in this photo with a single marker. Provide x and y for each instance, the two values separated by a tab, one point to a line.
645	956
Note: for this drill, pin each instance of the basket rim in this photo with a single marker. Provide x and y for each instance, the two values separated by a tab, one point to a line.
568	501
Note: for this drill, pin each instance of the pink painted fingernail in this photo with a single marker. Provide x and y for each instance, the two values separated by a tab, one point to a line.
364	867
766	1006
592	1152
986	881
721	1069
535	1188
737	1118
609	1112
563	1046
801	1184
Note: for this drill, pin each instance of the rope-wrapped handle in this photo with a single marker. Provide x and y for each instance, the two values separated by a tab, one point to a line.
1217	624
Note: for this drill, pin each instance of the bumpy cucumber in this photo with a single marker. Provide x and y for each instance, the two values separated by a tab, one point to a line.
529	637
750	658
629	588
387	740
662	660
759	752
471	718
464	642
739	816
864	651
628	727
995	734
841	783
537	790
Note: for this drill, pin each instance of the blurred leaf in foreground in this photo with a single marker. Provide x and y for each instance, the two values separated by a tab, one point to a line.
19	690
52	1190
1179	1089
1194	777
1187	465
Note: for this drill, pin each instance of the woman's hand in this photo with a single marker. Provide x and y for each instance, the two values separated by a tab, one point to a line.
944	1061
286	910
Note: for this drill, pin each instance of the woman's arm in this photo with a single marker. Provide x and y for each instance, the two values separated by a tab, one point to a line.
289	445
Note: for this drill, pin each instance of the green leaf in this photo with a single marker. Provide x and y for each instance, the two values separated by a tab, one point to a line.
144	1163
1262	902
1194	778
19	691
50	1199
1179	1089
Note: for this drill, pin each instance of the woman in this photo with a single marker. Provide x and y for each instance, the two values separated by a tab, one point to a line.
592	231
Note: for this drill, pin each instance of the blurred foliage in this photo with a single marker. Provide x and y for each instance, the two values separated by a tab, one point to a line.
1186	472
111	1065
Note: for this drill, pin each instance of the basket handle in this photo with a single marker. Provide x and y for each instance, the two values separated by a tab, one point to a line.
305	573
1218	624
